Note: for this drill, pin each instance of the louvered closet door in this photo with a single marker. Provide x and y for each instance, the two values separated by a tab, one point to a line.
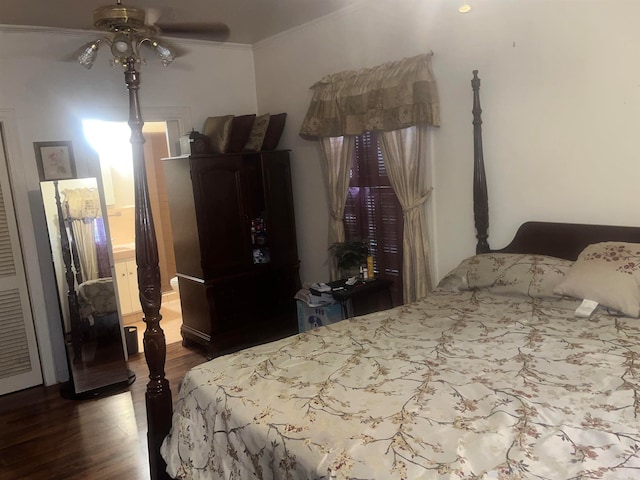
19	362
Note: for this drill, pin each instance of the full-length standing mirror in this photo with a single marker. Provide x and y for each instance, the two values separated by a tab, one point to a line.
80	254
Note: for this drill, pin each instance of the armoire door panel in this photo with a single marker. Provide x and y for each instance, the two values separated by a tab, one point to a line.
222	219
276	173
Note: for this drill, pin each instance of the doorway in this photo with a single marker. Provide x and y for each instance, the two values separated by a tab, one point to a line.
112	142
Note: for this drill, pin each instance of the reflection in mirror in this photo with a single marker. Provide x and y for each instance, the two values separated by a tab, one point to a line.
80	253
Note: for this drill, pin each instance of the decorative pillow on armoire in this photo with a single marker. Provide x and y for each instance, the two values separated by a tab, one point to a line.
274	131
240	130
218	129
258	132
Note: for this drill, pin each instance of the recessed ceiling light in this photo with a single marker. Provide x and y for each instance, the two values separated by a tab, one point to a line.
464	8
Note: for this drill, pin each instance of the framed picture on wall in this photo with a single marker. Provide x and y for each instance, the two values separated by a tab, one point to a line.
55	160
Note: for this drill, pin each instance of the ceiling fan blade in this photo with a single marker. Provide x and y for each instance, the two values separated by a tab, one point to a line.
152	15
215	31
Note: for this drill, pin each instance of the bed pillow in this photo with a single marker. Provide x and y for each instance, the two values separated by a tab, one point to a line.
508	273
258	131
609	273
218	129
240	130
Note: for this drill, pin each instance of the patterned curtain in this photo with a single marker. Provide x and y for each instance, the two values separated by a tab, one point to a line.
390	96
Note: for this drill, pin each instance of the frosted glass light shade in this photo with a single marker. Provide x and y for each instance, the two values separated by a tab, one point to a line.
88	54
164	52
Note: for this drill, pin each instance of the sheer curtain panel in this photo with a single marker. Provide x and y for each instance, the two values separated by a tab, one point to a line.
404	153
336	156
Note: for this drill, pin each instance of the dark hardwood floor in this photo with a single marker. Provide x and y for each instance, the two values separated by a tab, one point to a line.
43	436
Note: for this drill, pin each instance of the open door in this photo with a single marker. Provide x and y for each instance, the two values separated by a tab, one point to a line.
19	360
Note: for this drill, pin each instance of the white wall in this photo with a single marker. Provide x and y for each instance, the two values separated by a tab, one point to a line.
48	95
561	99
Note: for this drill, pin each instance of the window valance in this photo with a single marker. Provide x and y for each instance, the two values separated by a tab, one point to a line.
387	97
84	203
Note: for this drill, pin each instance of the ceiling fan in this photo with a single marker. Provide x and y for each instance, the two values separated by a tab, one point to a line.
122	18
130	28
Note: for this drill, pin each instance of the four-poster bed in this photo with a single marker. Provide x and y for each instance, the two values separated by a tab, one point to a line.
490	377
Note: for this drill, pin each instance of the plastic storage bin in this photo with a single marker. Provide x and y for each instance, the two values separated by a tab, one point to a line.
313	317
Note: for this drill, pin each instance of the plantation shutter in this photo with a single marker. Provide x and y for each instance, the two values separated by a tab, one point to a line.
372	211
19	362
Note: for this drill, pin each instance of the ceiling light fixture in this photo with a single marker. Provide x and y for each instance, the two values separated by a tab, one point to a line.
126	34
124	46
464	8
88	53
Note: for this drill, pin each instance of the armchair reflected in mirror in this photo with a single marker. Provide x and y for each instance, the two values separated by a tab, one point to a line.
88	302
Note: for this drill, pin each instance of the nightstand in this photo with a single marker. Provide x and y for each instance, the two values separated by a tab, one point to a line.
363	297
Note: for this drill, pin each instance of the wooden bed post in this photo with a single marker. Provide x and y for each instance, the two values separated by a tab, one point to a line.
480	196
72	296
158	394
72	241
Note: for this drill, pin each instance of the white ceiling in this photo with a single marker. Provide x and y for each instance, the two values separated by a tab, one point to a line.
249	21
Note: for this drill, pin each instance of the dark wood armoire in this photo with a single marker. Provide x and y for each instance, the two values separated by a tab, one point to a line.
235	245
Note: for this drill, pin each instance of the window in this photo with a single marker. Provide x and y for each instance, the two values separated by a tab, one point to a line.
372	211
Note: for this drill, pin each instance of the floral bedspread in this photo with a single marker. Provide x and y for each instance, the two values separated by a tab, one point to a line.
467	385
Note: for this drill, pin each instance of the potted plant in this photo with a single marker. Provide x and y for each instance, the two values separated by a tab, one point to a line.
350	255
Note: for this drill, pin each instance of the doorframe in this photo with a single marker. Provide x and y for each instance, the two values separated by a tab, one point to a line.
178	123
178	120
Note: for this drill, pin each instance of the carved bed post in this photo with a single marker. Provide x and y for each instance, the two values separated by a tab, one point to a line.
72	296
480	196
73	243
158	394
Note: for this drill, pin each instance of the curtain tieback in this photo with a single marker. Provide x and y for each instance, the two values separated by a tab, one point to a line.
336	217
418	203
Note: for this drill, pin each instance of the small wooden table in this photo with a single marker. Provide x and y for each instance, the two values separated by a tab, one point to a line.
363	297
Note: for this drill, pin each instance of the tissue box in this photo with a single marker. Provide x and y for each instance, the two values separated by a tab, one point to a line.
313	317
